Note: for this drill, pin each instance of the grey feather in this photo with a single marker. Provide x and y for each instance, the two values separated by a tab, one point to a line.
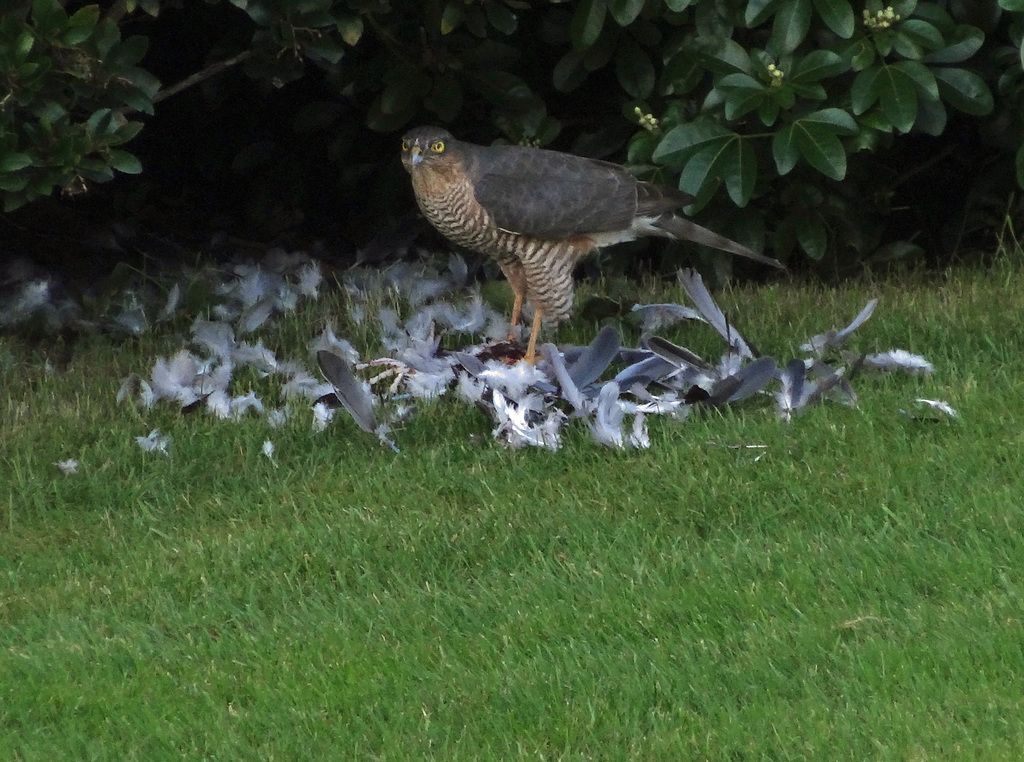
644	372
596	357
834	338
694	287
570	392
749	380
680	227
353	397
681	357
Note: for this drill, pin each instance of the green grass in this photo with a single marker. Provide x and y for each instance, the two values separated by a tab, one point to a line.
852	590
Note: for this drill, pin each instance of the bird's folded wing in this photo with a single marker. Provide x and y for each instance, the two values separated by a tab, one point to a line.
550	195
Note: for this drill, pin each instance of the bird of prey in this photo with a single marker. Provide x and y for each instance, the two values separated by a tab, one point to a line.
539	212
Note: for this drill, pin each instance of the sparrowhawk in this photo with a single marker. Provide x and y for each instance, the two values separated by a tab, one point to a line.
539	212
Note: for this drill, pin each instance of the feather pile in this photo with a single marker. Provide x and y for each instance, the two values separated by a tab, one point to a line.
609	389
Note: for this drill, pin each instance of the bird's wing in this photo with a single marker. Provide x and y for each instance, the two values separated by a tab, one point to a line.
551	195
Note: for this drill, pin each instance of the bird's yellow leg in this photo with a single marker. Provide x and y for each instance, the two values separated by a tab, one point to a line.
531	348
517	307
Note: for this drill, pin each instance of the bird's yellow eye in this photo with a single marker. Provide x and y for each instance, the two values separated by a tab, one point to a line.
437	146
406	145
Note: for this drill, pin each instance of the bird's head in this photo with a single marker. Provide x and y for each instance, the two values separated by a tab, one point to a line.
428	147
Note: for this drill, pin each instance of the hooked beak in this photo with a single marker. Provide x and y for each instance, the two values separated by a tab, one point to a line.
415	155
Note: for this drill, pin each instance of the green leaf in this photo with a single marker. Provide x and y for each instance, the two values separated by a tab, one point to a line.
722	55
864	91
125	162
965	91
99	122
641	148
701	172
739	170
897	95
1012	5
587	22
445	97
81	25
144	81
569	72
399	95
12	162
965	42
23	45
818	65
378	121
740	81
12	183
923	33
784	150
821	148
351	29
922	77
768	111
811	234
792	22
840	121
931	117
128	53
500	17
838	16
678	6
682	73
126	132
683	141
625	11
861	54
742	93
758	11
1019	162
904	8
451	17
49	17
106	36
634	69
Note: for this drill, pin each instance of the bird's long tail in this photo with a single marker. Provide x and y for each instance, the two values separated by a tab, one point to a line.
680	227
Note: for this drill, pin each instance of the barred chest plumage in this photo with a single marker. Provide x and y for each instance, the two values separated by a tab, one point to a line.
454	211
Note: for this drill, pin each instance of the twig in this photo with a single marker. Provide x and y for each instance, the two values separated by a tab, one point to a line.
210	71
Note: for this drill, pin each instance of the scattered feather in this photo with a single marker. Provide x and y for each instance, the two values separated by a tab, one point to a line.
322	416
255	315
523	423
67	467
154	442
353	395
258	357
941	405
328	342
171	305
899	359
694	287
243	404
655	317
310	278
215	337
596	358
278	417
834	338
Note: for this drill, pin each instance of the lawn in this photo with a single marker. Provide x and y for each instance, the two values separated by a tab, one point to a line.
852	587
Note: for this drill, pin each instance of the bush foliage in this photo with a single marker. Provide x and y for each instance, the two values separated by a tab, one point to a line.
797	107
